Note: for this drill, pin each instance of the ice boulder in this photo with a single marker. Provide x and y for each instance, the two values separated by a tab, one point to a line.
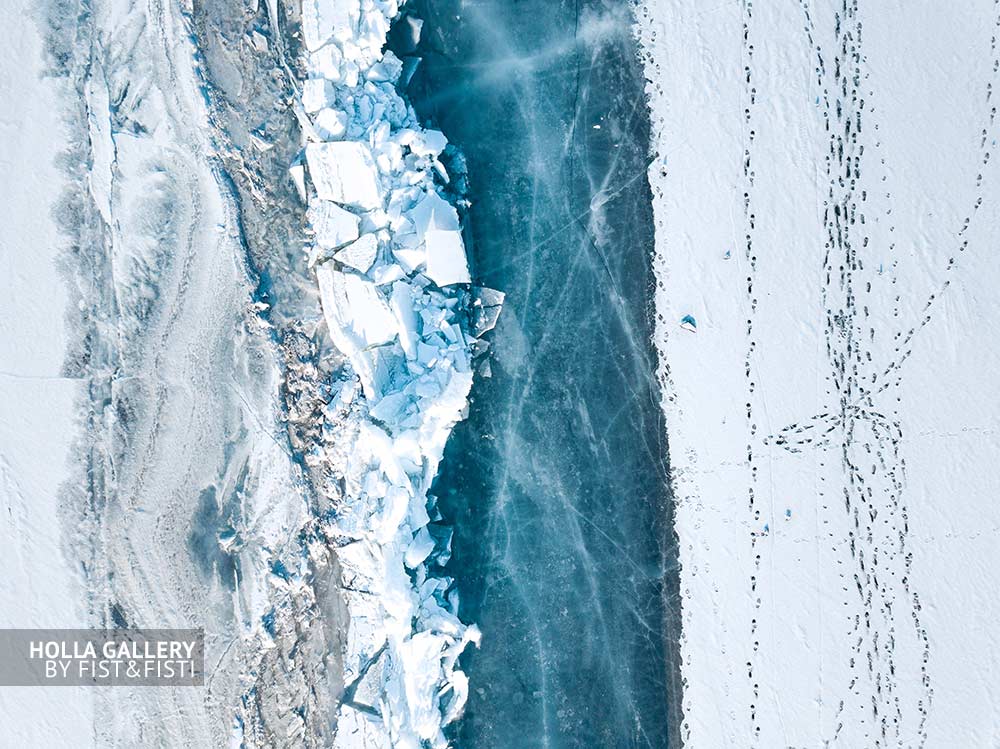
429	143
406	34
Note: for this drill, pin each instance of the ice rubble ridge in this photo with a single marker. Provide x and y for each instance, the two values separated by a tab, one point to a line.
394	284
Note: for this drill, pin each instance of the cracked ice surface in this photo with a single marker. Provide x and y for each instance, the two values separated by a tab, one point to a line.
557	481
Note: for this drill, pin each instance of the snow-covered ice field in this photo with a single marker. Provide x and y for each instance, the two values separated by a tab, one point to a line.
828	207
39	587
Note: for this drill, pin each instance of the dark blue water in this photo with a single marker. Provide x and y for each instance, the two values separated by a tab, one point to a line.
557	484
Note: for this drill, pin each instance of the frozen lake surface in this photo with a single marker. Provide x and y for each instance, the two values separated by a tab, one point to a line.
557	483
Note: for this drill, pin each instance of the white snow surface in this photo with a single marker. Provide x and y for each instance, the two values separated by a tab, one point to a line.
39	587
393	302
827	203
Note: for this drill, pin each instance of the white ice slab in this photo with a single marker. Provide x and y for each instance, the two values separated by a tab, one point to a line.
333	225
402	303
434	212
331	124
316	94
360	254
345	173
357	314
323	20
429	143
446	263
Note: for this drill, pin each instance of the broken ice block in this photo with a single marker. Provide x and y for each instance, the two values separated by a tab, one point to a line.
356	313
486	309
420	658
316	94
387	70
258	40
331	124
327	61
333	225
489	297
434	212
383	274
344	172
419	549
409	259
402	304
446	263
325	19
405	35
410	65
360	254
429	143
297	171
390	408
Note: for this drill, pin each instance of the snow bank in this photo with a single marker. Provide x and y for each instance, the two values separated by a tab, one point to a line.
393	279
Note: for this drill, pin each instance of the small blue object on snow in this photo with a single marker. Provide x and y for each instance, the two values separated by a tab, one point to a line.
728	254
766	528
788	514
688	323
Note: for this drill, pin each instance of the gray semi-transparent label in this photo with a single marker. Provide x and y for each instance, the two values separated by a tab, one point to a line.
93	657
